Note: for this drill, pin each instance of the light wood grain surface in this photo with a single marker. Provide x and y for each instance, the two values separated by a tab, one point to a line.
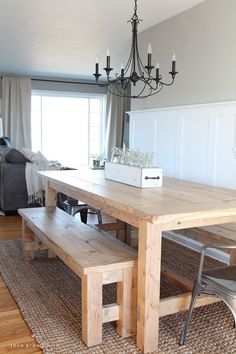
91	255
176	205
82	248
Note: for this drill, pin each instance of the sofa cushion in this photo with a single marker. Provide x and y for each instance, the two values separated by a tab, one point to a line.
15	156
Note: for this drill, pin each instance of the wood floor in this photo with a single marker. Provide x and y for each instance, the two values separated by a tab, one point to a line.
15	336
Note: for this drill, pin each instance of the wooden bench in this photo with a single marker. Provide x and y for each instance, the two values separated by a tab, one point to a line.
224	234
96	258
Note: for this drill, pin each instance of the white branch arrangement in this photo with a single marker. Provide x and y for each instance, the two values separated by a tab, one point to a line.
132	157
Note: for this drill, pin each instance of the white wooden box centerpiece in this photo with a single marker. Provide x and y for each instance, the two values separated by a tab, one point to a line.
134	176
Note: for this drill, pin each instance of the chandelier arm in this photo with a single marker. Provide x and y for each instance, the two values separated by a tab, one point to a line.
123	94
119	94
128	62
121	80
142	68
168	83
151	90
140	93
126	84
144	71
114	93
150	94
146	81
157	91
139	63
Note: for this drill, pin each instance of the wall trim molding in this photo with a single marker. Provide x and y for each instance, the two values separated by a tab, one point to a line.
194	142
186	107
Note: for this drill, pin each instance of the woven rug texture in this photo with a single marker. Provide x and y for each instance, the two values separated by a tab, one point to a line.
48	294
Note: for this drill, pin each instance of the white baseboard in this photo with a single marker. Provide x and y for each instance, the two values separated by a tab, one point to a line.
196	246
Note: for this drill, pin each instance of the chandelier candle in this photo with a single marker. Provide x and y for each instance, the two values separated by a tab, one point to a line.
134	73
108	58
173	63
157	72
97	66
122	70
97	69
149	54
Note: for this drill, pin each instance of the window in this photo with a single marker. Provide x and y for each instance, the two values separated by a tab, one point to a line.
67	127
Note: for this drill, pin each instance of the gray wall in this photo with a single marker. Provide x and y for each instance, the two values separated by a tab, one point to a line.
204	39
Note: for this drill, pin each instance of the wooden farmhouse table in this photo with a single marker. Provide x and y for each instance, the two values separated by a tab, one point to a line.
177	205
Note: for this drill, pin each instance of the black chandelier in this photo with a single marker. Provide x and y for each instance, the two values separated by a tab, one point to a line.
134	71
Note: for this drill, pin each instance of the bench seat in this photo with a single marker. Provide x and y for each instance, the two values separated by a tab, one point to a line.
96	258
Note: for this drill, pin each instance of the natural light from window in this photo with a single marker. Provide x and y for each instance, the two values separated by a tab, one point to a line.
67	128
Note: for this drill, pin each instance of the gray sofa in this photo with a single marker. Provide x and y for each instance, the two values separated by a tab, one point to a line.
13	192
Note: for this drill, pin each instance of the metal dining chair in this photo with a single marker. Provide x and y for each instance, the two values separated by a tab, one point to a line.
220	282
72	207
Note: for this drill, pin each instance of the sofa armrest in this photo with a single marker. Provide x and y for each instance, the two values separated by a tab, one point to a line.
13	191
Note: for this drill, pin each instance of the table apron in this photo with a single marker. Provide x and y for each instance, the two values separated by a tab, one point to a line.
96	202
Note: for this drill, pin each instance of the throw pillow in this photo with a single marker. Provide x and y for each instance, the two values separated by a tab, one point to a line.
34	156
39	157
28	153
15	156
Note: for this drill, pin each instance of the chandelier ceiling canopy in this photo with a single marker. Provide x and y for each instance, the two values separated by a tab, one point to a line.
134	72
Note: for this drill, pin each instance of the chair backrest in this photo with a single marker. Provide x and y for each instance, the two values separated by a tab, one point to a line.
4	140
222	279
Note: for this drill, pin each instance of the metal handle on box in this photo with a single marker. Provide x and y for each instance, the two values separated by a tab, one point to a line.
157	177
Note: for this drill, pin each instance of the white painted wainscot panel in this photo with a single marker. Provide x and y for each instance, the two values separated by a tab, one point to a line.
196	143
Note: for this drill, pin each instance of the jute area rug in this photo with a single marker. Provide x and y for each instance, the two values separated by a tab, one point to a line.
48	295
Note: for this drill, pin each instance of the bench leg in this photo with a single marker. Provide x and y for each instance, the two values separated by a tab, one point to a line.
127	300
92	309
28	242
31	243
51	254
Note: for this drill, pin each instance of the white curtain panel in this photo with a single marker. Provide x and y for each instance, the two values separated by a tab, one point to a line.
114	121
16	101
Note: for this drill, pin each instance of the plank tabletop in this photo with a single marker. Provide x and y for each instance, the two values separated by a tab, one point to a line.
175	199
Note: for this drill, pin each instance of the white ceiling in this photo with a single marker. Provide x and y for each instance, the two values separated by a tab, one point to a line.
61	38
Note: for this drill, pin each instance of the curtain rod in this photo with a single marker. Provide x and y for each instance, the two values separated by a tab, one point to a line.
66	82
63	82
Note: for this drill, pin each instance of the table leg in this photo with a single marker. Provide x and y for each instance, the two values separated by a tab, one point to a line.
232	258
149	267
50	196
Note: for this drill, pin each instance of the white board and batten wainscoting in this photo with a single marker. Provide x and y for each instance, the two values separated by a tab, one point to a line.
195	142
